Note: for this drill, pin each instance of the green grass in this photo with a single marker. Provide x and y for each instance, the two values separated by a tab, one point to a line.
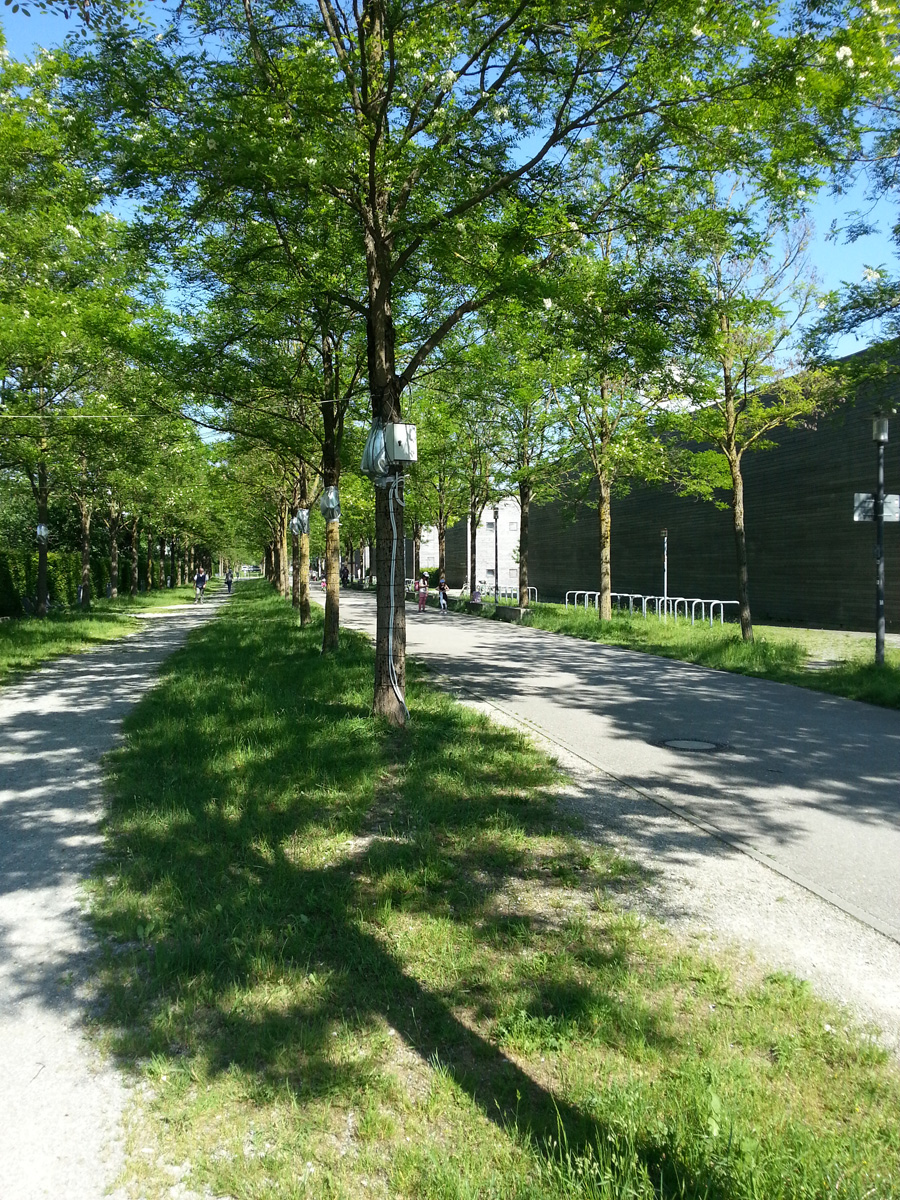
349	961
27	642
777	653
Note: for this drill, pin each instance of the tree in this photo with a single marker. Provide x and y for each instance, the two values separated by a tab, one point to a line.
759	290
622	316
437	491
875	301
453	137
515	366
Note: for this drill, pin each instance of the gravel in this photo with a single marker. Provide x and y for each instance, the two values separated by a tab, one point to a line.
61	1101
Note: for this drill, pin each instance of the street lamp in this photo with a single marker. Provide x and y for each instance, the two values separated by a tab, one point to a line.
496	555
664	534
879	437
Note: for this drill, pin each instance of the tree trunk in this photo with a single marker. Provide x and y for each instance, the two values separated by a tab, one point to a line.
284	586
740	545
474	514
84	512
332	429
390	646
42	496
331	633
114	554
135	546
162	560
303	559
417	550
737	489
442	547
524	511
278	561
295	570
268	569
149	558
173	564
604	517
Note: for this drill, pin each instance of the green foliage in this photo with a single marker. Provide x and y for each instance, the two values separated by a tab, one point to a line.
12	583
18	578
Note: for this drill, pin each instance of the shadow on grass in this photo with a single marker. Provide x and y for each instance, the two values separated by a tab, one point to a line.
264	831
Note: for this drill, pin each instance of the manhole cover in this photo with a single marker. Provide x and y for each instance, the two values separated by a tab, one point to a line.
690	744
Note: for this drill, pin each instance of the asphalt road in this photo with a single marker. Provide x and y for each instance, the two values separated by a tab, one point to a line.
60	1104
806	783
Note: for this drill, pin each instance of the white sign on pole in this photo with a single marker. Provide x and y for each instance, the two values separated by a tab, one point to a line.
864	507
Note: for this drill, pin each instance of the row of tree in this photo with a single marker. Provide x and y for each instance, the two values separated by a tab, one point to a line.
565	212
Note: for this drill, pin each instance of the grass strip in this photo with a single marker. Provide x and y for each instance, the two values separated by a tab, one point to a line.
27	642
782	655
350	961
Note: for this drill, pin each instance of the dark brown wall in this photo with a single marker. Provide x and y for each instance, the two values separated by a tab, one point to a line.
457	567
810	563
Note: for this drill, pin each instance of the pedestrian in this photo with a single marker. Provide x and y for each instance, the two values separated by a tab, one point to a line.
199	584
345	575
442	594
229	579
423	592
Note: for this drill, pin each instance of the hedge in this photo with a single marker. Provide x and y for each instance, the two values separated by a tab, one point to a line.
18	578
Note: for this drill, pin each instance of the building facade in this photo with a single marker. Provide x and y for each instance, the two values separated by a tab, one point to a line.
507	549
810	563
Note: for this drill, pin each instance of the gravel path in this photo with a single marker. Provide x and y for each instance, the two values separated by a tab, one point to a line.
60	1103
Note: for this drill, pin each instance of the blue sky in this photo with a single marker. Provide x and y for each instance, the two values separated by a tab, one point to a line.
835	261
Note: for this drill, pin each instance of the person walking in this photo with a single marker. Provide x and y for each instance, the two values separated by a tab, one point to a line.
423	592
229	579
200	580
442	594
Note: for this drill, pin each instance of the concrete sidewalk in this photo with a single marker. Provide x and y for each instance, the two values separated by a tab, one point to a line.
61	1105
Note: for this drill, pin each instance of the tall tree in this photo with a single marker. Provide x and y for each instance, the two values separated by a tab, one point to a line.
747	377
515	366
453	138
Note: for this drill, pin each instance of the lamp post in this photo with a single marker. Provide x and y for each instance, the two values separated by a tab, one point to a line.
665	537
879	437
496	555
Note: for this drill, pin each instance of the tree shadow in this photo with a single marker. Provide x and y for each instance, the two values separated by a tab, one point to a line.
249	843
791	774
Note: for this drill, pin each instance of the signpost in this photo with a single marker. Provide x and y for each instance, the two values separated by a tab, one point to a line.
864	507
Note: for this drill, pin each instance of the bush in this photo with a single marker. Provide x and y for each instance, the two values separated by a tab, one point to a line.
100	576
19	574
12	583
63	576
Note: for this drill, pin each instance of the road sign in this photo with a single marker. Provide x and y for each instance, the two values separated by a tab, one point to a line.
864	507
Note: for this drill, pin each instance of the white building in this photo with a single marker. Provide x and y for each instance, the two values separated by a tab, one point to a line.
507	547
